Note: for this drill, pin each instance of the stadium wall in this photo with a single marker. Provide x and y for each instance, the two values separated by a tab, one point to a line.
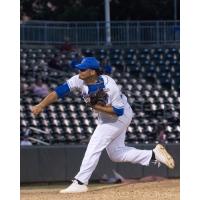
61	163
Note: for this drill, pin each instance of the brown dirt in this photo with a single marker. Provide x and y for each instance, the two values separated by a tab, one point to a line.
157	190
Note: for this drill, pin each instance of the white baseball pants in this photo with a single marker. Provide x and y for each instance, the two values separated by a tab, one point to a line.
110	136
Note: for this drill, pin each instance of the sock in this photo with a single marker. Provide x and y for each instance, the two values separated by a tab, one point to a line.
153	157
79	182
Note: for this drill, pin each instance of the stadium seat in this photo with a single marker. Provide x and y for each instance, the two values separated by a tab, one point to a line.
149	77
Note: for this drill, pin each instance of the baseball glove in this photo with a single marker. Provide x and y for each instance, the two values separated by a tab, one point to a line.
99	97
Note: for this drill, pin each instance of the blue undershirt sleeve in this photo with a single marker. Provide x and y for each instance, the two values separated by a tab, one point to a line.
62	90
118	111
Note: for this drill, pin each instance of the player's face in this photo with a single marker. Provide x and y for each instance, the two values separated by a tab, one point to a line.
85	74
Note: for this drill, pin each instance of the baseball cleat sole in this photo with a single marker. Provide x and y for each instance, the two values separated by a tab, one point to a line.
163	156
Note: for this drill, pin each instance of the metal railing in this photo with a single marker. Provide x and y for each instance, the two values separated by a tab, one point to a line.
94	33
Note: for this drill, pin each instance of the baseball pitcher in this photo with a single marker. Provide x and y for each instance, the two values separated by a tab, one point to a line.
101	93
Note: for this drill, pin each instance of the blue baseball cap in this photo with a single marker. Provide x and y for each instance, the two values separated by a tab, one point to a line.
88	63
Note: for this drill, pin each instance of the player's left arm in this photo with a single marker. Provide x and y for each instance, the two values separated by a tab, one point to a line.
107	109
116	107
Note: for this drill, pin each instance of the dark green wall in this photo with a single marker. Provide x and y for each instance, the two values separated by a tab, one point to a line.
61	163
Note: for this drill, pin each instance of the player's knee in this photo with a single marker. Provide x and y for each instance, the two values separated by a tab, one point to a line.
115	158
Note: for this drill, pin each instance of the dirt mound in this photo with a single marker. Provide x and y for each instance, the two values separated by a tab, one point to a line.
156	190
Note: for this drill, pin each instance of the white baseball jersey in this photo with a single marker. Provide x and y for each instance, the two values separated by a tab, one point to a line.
115	98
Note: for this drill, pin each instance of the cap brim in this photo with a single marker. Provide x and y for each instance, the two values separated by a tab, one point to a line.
80	66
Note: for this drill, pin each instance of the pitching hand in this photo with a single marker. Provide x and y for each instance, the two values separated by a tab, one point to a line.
36	110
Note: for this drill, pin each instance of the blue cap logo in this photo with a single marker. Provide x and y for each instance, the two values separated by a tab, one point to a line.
88	63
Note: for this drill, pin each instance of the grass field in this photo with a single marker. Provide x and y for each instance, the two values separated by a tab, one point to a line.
157	190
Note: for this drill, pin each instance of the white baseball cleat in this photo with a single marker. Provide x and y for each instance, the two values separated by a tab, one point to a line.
162	156
75	188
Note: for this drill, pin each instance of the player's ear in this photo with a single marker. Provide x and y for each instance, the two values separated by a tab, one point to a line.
92	72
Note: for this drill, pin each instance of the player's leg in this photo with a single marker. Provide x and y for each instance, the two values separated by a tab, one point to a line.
101	138
118	152
103	135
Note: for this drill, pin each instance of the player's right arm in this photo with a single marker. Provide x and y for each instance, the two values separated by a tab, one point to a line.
51	98
59	92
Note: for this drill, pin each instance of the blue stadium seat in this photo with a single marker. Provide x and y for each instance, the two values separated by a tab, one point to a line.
150	79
